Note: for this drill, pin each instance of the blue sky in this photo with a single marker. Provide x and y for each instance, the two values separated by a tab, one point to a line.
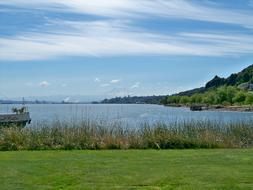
108	48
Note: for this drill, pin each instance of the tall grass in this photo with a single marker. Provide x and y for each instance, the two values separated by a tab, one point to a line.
98	135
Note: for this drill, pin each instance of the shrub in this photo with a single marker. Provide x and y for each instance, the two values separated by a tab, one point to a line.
87	135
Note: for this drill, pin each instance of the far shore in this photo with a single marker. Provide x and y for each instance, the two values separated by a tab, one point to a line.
243	108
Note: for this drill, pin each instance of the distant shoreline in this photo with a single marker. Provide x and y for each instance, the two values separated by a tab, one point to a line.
215	107
245	108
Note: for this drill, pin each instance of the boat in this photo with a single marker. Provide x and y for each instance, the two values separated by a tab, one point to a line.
19	118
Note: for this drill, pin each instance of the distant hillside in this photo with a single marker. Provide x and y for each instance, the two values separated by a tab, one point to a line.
191	92
236	90
134	100
243	80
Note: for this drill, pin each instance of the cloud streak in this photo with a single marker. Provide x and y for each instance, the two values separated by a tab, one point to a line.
141	8
104	37
36	46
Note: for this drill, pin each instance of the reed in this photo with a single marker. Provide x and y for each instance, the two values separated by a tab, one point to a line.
59	135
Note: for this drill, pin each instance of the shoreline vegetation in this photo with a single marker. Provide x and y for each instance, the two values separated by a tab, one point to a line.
224	98
234	93
87	135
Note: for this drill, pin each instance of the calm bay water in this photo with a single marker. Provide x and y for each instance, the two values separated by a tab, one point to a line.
129	114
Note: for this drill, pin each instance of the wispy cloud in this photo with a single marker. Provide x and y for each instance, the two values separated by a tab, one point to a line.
114	81
44	46
136	85
104	37
44	84
142	8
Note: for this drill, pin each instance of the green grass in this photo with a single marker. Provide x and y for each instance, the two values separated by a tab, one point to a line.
226	169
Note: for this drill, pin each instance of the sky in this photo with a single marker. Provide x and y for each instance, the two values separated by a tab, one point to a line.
75	49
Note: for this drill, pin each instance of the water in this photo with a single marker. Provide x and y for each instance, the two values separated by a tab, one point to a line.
128	114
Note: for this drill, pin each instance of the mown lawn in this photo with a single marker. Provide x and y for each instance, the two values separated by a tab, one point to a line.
127	169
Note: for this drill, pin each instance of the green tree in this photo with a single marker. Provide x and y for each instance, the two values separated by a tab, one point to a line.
184	100
173	99
239	98
249	99
221	95
230	94
209	97
196	98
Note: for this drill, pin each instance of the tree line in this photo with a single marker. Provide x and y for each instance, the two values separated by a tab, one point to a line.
224	95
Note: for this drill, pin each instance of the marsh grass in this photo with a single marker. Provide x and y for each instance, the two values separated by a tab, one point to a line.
88	134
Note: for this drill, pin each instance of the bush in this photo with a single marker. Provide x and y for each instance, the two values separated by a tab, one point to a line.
249	99
239	98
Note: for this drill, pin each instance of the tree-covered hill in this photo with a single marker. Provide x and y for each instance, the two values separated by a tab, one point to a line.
243	80
234	90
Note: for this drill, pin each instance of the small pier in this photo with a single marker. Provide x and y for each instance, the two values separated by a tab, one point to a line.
18	119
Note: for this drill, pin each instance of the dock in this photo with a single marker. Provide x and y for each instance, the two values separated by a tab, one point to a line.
18	119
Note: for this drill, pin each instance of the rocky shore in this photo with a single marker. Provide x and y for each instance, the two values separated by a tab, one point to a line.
232	108
197	107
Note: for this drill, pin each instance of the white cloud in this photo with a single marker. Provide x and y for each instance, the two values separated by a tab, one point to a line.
44	84
44	46
104	37
97	80
136	85
114	81
142	8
